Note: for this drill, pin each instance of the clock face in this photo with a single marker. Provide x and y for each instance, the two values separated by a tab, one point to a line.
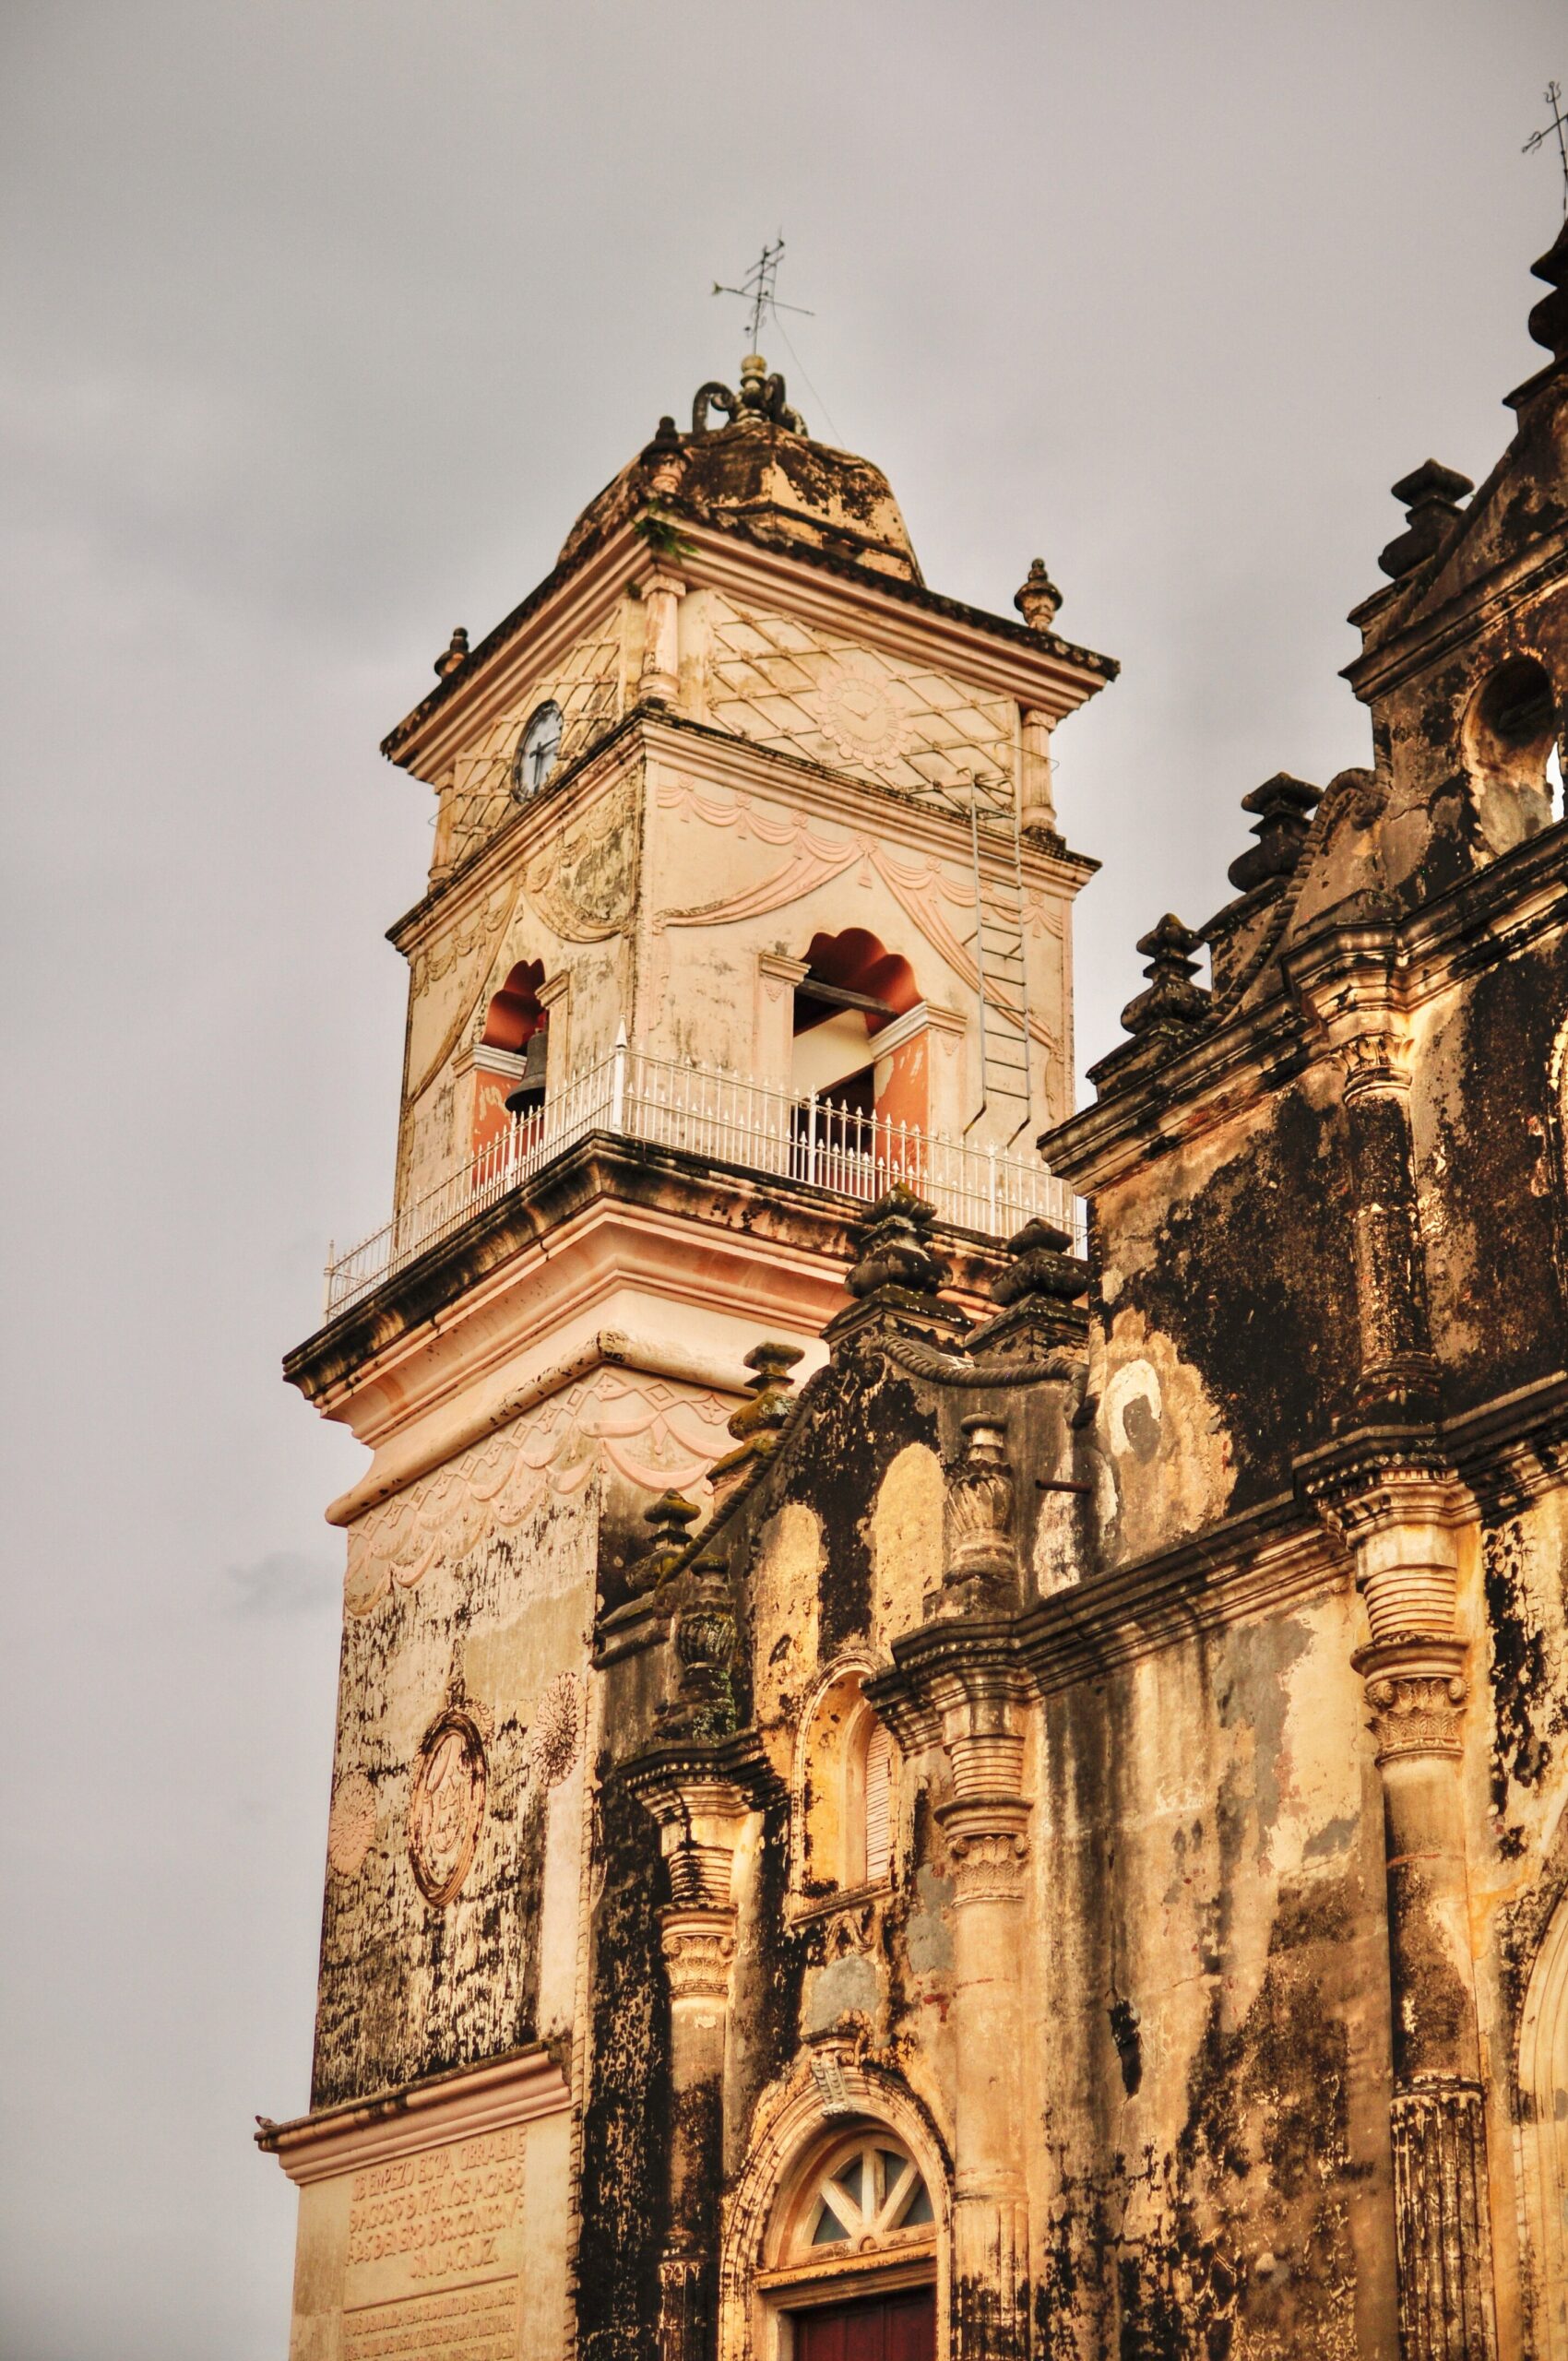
858	714
536	755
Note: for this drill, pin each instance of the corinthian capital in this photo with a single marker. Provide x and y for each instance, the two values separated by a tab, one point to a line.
699	1948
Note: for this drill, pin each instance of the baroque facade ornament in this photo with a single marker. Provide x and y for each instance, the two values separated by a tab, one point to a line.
446	1803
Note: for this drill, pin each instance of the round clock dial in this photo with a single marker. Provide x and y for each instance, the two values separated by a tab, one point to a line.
537	752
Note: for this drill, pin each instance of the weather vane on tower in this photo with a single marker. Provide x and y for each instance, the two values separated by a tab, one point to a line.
1559	123
759	283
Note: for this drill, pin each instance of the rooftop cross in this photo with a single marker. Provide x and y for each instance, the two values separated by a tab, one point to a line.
758	285
1537	139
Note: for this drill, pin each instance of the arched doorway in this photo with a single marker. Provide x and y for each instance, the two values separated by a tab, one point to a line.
1543	2131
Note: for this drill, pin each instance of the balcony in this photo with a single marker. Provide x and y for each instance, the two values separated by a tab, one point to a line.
713	1118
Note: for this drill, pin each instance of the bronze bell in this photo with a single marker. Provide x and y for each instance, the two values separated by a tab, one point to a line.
529	1093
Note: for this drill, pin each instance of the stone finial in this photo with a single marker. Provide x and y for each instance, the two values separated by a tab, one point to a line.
669	1516
757	1421
761	396
455	653
1170	997
1041	1261
894	1247
1548	319
705	1646
665	458
1285	808
1431	494
983	1558
1037	597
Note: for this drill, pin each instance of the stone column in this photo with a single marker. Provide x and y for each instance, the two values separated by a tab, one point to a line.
986	1825
1401	1526
700	1819
1388	1492
1037	804
660	677
963	1667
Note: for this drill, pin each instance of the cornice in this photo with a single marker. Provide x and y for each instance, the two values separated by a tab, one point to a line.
1273	1556
720	759
1516	901
1415	646
609	1212
476	2099
649	734
902	618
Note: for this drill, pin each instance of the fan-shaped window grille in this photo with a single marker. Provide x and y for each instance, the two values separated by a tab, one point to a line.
866	2194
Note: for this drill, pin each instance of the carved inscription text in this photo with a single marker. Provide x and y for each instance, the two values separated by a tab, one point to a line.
443	2213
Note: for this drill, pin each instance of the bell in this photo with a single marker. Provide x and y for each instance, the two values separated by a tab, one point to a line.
529	1093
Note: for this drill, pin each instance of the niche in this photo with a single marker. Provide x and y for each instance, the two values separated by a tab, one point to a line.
1511	751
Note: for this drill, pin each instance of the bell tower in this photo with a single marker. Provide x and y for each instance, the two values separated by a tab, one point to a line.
747	902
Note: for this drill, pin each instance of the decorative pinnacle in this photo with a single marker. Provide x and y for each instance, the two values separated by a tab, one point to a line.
1285	808
455	653
1037	597
1171	997
669	1516
1549	320
771	1390
1431	494
894	1247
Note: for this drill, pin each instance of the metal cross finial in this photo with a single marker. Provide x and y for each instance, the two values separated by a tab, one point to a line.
756	288
1539	138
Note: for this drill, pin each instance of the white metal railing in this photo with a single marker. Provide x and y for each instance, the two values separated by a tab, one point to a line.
720	1119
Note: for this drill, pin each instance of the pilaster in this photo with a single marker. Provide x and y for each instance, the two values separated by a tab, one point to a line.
1393	1503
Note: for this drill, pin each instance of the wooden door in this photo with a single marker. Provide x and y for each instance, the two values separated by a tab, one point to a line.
879	2328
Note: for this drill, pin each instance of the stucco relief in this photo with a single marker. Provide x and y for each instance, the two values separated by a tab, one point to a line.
556	1733
351	1827
923	891
775	680
446	1803
579	888
650	1433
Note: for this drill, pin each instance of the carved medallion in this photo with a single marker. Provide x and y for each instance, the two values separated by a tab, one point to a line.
350	1829
858	714
446	1806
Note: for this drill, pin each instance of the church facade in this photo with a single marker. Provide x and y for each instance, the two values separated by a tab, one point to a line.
954	1715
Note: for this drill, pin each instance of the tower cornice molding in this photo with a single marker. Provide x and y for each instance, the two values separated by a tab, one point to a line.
900	618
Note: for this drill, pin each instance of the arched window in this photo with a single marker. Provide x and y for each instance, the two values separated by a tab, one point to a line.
853	988
845	1794
1511	734
866	2191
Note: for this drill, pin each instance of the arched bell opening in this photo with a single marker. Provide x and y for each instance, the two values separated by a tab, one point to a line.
511	1056
849	1050
1511	746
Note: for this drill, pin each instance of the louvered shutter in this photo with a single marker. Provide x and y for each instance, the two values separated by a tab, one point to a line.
879	1806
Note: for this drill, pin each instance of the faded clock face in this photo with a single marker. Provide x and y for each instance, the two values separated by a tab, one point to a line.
537	751
858	715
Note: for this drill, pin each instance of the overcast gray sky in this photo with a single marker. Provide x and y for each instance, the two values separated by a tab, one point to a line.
320	323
